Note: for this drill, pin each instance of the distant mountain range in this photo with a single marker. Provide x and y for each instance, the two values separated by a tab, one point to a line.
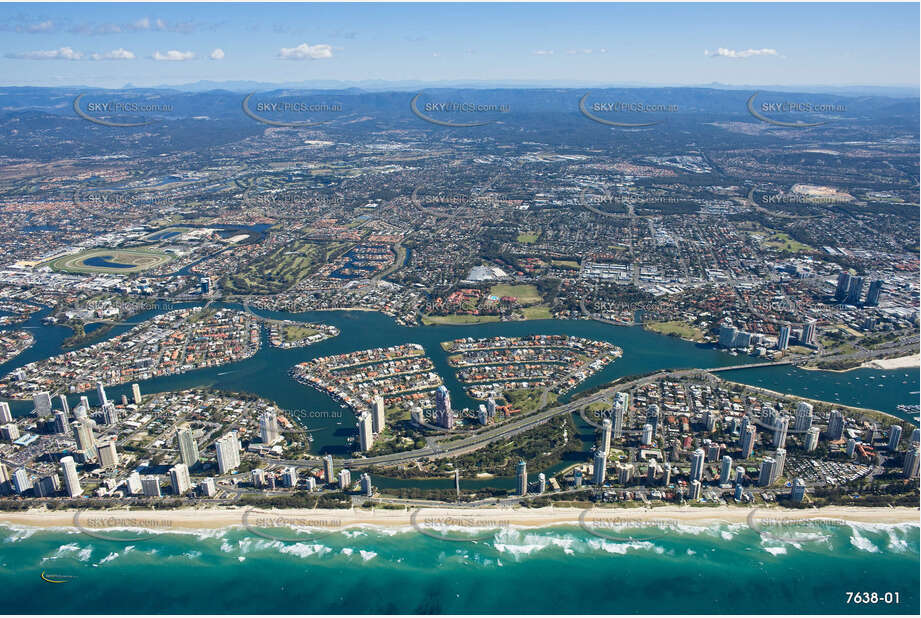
413	85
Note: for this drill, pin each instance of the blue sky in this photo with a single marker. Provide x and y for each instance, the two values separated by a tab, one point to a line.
671	44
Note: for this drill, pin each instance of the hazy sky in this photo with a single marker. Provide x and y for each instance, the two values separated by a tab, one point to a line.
763	44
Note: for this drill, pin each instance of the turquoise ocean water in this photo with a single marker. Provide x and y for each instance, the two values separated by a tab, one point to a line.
566	569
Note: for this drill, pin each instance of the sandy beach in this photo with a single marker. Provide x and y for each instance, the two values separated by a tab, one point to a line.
902	362
191	519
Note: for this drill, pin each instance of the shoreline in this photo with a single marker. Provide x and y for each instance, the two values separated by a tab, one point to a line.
341	519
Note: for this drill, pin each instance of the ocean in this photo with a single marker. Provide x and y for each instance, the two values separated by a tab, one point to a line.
669	568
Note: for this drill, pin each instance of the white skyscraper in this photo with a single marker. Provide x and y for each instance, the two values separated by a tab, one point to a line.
268	427
179	479
108	456
607	427
188	447
766	474
345	480
22	482
64	405
895	434
647	434
780	457
136	394
803	416
328	470
726	470
228	453
71	478
521	478
133	483
151	486
697	464
541	483
365	432
289	477
812	439
101	394
42	403
5	415
86	439
110	414
780	431
599	467
378	420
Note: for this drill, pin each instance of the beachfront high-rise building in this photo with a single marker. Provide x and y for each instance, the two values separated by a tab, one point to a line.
268	427
42	403
86	439
22	481
726	470
328	471
378	419
740	474
188	447
345	480
521	478
541	483
150	485
599	468
108	456
136	394
6	416
873	294
895	434
444	415
783	339
227	449
780	459
666	473
812	439
910	465
207	488
133	484
781	426
694	490
101	394
71	478
797	490
625	473
803	418
365	432
766	474
835	425
289	477
651	470
808	337
698	458
258	477
179	479
366	489
416	414
606	428
617	420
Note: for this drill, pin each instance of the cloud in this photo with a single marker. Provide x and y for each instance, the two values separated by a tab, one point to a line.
543	52
306	52
144	24
115	54
63	53
40	27
174	55
722	52
217	54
